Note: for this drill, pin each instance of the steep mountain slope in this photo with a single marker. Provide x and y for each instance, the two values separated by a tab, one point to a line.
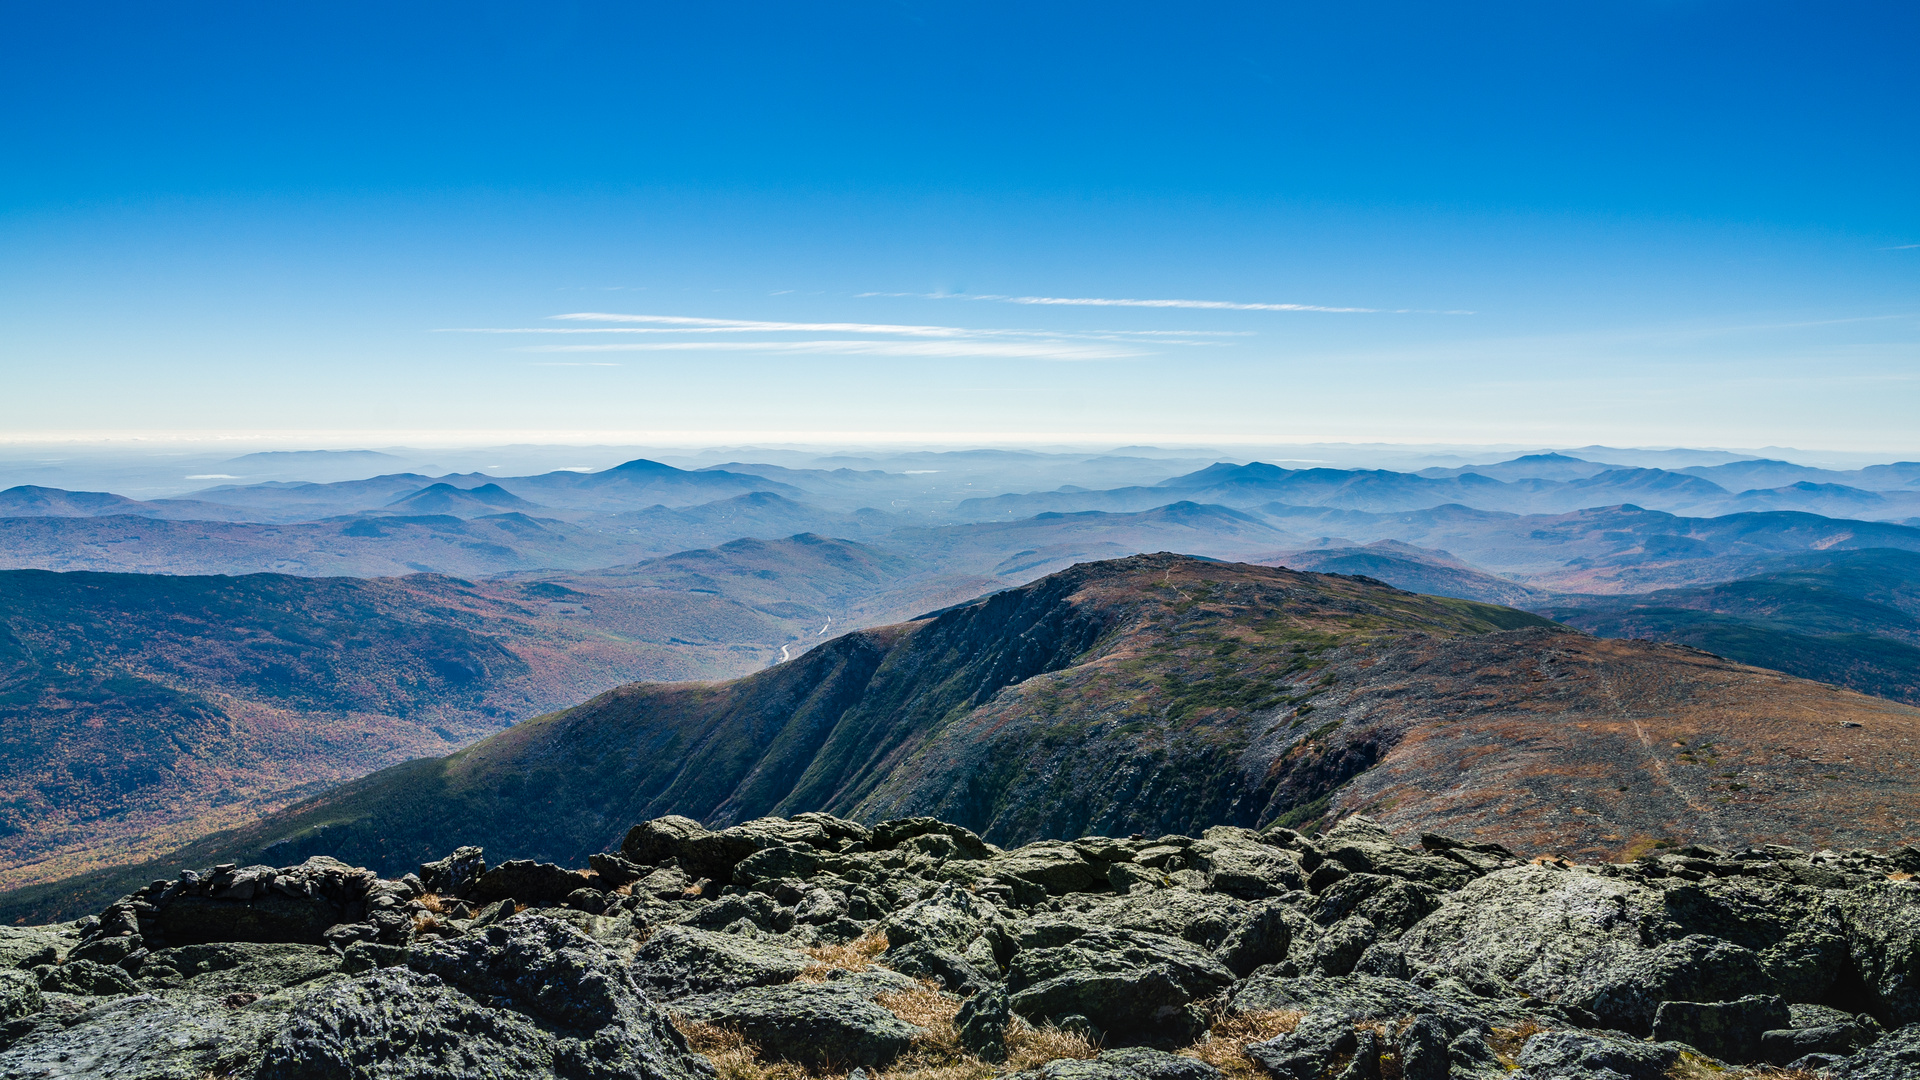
138	711
1154	694
1850	618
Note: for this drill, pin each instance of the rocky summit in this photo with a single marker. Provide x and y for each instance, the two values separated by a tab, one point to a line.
811	944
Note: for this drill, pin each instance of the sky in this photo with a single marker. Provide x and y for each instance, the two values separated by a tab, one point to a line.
1633	223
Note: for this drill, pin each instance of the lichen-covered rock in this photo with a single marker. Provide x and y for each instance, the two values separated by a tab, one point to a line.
1158	1064
532	996
1132	987
949	917
1883	930
1783	1046
1360	845
1625	985
89	978
1573	1055
30	946
141	1037
1260	935
19	994
1237	863
1309	1051
1728	1030
1341	945
1055	866
237	967
1530	927
682	961
982	1024
455	875
528	882
1896	1057
1799	932
820	1025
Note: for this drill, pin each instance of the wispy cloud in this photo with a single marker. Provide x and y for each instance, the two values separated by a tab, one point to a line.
670	333
1205	305
1037	350
574	363
1901	247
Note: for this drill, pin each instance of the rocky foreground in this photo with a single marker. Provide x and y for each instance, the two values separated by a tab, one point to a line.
782	947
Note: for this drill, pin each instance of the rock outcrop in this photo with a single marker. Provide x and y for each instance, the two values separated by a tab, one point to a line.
836	946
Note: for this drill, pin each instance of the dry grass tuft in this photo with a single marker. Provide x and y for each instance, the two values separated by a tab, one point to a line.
855	955
926	1007
1506	1042
1224	1046
435	903
733	1057
1028	1046
425	923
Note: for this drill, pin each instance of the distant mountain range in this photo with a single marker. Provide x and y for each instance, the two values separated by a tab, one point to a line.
1530	484
1152	694
1851	618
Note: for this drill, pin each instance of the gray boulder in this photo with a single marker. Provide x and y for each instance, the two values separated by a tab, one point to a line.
1342	944
237	967
1728	1030
1053	865
681	961
1236	862
1392	905
1574	1055
1883	930
30	946
141	1037
1530	927
951	970
1158	1064
1261	935
529	882
531	996
1799	932
89	978
949	918
455	875
817	1025
1624	985
1127	1063
1896	1057
1783	1046
1132	987
1309	1051
982	1024
19	994
1360	845
1206	919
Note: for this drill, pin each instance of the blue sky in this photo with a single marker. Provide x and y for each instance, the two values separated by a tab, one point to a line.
1634	223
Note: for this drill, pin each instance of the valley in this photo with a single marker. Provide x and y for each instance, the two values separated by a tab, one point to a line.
196	675
1155	694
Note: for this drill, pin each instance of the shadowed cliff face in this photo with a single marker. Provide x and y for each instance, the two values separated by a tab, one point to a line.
1155	694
